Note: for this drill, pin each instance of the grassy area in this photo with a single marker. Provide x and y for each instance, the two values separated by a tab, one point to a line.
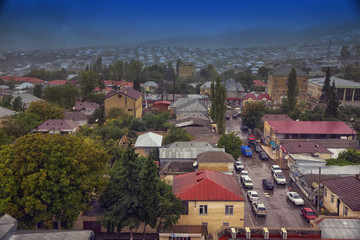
339	162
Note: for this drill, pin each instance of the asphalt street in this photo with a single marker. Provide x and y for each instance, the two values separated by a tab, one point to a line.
281	212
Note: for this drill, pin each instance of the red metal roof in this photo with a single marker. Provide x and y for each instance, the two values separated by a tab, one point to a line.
106	89
304	147
259	83
162	102
260	96
57	82
250	95
311	127
207	186
21	79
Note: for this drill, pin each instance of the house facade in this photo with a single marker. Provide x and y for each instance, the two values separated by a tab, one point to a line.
186	69
342	196
254	97
215	161
278	84
146	142
211	199
128	99
57	126
205	89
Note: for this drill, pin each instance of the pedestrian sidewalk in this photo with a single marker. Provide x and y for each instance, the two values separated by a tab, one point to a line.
269	152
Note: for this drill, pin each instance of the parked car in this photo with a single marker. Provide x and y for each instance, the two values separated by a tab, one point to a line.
275	168
263	155
251	138
227	116
246	151
253	195
268	184
295	198
239	166
244	173
246	180
279	178
308	214
257	147
244	128
259	208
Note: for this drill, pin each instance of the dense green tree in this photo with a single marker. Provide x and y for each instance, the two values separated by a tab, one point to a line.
137	125
88	80
246	78
98	116
345	52
326	90
352	73
45	176
263	72
231	143
18	104
209	73
137	85
332	108
117	71
65	96
170	207
218	105
133	71
178	63
38	90
156	121
44	110
177	135
6	101
252	114
169	75
48	75
317	114
293	90
96	97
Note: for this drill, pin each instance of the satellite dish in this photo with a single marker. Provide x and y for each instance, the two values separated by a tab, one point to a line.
286	157
195	164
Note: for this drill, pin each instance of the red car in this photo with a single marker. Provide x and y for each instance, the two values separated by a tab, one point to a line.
251	138
308	214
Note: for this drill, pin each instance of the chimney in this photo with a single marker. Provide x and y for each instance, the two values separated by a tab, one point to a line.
299	145
357	176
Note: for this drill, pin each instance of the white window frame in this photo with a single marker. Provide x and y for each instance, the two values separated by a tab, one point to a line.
332	198
346	211
203	210
229	209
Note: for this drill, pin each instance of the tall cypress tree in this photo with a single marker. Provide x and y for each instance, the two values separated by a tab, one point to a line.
292	90
333	104
326	90
220	107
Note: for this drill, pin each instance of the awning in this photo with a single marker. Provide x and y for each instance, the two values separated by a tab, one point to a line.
273	144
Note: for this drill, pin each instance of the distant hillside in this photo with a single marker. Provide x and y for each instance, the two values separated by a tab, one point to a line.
262	37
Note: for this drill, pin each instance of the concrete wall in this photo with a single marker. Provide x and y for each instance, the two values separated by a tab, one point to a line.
215	216
217	167
277	88
332	206
125	103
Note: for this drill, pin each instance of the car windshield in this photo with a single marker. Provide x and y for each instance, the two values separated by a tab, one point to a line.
280	175
297	196
248	150
239	164
310	213
276	168
254	195
247	180
262	209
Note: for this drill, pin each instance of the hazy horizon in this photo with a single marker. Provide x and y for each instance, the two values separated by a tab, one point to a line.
40	24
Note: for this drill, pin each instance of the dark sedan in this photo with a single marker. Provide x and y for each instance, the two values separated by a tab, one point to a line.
268	184
263	155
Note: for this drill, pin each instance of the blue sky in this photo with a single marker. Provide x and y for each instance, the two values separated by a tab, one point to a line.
72	23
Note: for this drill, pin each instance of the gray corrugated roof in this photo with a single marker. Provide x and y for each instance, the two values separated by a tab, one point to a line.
179	102
339	83
26	97
59	235
332	228
206	85
150	84
149	140
285	71
194	105
7	224
4	112
188	150
231	85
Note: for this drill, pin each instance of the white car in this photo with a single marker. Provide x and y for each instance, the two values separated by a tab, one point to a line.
259	208
244	173
239	166
295	198
275	168
253	195
247	182
279	178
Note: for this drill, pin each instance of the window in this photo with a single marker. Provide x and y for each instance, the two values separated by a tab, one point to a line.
275	82
225	224
301	92
185	207
229	209
129	109
203	210
283	92
304	83
325	192
332	198
345	211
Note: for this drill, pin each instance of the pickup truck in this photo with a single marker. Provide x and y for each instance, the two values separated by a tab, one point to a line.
246	151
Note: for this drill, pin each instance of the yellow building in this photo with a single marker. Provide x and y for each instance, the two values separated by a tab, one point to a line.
186	69
342	196
146	142
211	199
128	99
205	88
215	161
278	81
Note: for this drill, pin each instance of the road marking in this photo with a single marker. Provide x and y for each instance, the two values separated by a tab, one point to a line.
266	194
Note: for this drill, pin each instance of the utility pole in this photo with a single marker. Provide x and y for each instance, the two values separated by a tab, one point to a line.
318	194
